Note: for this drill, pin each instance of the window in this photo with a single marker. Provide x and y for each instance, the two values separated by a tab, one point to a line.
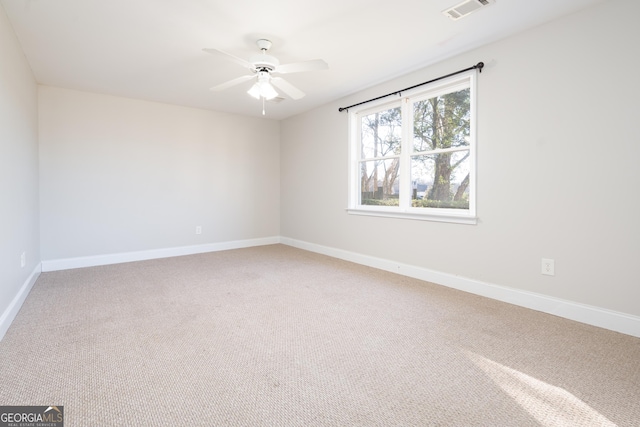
414	157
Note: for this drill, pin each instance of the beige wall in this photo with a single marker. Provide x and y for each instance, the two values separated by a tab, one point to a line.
121	175
557	170
18	168
558	173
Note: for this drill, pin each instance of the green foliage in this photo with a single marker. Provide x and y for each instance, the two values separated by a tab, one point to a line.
442	122
381	202
444	204
421	203
382	132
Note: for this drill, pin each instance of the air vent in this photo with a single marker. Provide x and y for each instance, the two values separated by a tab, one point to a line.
466	8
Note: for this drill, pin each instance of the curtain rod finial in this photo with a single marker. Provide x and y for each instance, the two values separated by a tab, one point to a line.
480	66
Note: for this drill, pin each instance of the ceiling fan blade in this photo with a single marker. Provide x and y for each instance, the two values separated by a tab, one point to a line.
289	89
230	57
297	67
233	82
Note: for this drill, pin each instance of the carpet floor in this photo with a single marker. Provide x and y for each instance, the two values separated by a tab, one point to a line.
277	336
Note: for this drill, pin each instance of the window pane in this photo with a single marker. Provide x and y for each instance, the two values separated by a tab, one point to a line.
379	182
381	134
441	122
441	180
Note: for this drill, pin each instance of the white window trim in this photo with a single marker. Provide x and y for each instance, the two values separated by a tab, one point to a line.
466	216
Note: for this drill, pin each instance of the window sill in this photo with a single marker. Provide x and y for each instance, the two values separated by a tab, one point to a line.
448	215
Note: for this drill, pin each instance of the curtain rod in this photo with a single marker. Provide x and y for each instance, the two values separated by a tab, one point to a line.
478	66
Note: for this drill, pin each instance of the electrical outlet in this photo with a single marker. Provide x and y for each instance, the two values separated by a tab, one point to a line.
23	259
548	267
198	229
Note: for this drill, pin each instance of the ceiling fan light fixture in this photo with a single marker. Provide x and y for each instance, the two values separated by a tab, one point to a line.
267	91
262	88
254	91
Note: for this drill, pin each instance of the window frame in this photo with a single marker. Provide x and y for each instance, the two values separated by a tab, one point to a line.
406	102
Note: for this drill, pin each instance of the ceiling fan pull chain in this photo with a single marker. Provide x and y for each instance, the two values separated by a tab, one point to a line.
263	113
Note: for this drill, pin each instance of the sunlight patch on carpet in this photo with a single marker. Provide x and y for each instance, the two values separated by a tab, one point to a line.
548	404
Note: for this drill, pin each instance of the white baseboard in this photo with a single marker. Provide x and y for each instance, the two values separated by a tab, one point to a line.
12	310
596	316
591	315
92	261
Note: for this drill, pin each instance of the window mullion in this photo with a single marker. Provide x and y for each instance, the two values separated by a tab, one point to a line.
444	150
355	154
405	154
389	157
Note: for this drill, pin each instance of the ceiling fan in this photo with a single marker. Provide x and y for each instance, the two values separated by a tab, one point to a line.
262	66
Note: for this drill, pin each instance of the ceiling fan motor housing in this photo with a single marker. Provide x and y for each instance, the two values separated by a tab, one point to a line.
264	62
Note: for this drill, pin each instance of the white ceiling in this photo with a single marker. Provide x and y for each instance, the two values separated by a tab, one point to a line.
152	49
